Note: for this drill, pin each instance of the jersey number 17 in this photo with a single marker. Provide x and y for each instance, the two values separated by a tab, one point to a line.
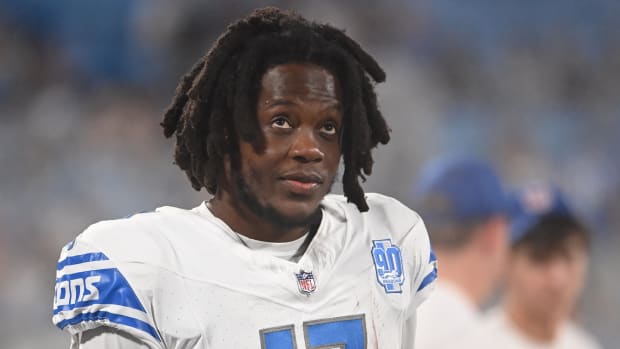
348	332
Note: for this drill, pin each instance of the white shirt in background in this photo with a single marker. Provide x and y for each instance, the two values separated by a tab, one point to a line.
445	317
496	331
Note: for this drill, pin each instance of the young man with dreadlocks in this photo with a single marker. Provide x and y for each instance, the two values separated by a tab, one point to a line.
271	261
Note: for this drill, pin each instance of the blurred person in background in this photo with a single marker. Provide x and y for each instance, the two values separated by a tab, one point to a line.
463	204
545	275
270	260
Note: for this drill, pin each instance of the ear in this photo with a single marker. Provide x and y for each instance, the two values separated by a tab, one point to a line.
494	235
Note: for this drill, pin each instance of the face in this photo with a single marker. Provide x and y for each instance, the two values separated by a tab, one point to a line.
548	289
299	111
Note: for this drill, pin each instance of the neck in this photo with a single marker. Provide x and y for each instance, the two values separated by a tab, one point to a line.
247	223
536	328
475	283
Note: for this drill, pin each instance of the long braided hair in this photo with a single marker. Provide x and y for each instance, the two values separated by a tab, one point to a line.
215	103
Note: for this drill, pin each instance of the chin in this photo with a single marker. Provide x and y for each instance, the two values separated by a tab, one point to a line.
294	215
280	209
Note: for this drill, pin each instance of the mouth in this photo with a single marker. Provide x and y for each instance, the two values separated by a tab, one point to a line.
301	183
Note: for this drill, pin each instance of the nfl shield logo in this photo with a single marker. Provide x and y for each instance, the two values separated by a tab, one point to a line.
305	282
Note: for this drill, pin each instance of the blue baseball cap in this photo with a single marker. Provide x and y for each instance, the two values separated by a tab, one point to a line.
459	189
530	204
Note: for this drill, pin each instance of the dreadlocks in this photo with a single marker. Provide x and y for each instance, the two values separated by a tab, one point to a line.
215	103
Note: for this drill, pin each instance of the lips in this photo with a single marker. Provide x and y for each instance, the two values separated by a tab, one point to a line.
302	183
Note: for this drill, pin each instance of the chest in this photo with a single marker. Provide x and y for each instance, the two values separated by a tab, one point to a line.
264	303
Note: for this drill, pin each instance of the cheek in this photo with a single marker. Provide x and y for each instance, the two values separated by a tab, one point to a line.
255	164
526	280
332	156
577	278
536	283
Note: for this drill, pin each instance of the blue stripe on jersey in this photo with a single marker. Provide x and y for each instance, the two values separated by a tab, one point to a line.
70	245
430	277
432	258
82	258
111	317
103	286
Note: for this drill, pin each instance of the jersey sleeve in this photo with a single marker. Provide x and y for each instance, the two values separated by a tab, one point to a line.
408	233
425	273
106	337
91	292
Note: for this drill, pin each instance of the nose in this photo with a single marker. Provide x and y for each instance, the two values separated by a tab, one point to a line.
558	274
305	147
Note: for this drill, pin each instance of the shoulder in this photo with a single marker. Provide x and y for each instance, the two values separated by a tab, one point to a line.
106	275
450	306
383	210
579	338
491	330
145	237
391	227
93	290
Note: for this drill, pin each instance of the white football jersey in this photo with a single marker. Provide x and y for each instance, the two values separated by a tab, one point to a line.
177	278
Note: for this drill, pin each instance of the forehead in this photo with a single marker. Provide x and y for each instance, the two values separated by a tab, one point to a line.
571	247
301	80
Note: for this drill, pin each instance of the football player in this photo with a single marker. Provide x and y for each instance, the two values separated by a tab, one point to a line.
271	260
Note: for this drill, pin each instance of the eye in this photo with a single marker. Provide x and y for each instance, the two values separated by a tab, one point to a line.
280	121
329	128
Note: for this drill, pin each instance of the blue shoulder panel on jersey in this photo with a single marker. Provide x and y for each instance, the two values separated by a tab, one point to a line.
103	286
430	277
86	295
111	317
82	258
